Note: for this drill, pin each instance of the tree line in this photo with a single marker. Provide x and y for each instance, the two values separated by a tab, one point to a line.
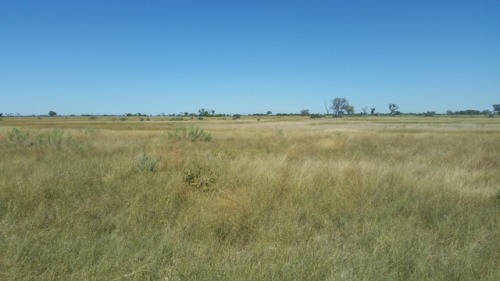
338	107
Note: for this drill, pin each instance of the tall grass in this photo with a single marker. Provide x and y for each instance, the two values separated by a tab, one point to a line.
291	200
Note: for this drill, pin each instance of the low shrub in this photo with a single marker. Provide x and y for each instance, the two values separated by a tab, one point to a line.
19	137
55	139
146	164
193	134
200	178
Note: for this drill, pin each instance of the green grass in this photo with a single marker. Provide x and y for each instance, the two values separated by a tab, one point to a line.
299	199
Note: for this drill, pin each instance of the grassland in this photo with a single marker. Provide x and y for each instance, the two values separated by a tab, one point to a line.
402	198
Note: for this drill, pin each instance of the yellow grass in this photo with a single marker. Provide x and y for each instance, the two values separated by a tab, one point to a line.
402	198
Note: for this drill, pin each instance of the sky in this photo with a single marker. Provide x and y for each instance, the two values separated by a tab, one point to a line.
247	56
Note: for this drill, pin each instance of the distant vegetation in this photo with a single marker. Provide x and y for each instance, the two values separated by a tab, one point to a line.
338	107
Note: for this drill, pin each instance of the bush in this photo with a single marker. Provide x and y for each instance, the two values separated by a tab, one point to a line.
193	134
146	164
202	179
316	115
19	137
55	139
176	119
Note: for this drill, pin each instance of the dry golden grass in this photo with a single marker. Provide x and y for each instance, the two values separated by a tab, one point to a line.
282	199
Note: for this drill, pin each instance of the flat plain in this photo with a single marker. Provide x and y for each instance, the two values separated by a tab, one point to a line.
274	198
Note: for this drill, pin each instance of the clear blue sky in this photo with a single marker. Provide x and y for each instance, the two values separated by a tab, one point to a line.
247	56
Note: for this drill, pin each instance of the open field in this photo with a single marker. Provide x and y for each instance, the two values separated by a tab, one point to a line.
406	198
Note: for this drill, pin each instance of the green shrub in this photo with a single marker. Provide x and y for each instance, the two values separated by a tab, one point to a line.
193	134
176	119
146	164
19	137
56	139
314	116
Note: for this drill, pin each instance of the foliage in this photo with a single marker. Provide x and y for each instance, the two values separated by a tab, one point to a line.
19	137
200	178
55	139
364	110
205	112
317	115
146	164
236	116
468	112
192	134
393	108
496	108
176	119
339	106
52	113
349	109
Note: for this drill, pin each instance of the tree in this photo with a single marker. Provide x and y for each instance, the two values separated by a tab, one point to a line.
349	109
364	110
496	108
393	108
372	111
203	112
52	113
304	112
339	105
327	109
269	112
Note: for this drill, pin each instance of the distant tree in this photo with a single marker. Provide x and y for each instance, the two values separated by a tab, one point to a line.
372	111
52	113
449	112
269	112
496	108
349	109
327	108
468	112
393	108
339	106
364	110
1	114
203	112
304	112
